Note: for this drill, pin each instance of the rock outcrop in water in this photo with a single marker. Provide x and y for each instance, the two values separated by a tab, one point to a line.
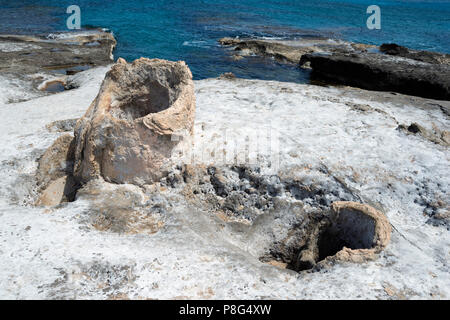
424	56
382	72
144	110
54	173
64	53
290	51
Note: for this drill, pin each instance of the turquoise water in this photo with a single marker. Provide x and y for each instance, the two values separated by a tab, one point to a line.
188	29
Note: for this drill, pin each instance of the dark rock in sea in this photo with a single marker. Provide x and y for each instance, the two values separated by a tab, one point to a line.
390	67
382	72
279	51
434	135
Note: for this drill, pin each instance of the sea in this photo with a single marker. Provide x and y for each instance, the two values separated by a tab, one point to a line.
189	29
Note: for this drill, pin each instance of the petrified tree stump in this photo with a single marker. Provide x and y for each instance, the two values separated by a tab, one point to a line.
144	110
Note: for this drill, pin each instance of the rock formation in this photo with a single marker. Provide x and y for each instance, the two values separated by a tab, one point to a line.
362	231
290	51
389	67
424	56
382	72
54	173
143	112
350	232
66	53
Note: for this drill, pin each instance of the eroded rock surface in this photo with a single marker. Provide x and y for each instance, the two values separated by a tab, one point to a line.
347	232
382	72
389	67
62	125
359	229
346	145
434	135
301	224
122	208
144	110
57	160
58	191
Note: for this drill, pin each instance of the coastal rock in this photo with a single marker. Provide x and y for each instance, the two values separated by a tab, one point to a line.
304	229
360	230
142	114
266	48
389	67
228	76
346	232
57	161
54	173
382	72
424	56
58	191
290	51
435	135
46	64
334	148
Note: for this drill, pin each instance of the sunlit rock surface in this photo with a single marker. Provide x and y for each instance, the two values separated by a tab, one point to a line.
141	114
192	234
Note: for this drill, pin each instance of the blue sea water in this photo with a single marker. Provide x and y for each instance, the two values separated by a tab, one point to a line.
189	29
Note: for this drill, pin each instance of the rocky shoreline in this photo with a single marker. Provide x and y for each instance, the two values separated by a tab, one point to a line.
349	201
45	63
389	67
